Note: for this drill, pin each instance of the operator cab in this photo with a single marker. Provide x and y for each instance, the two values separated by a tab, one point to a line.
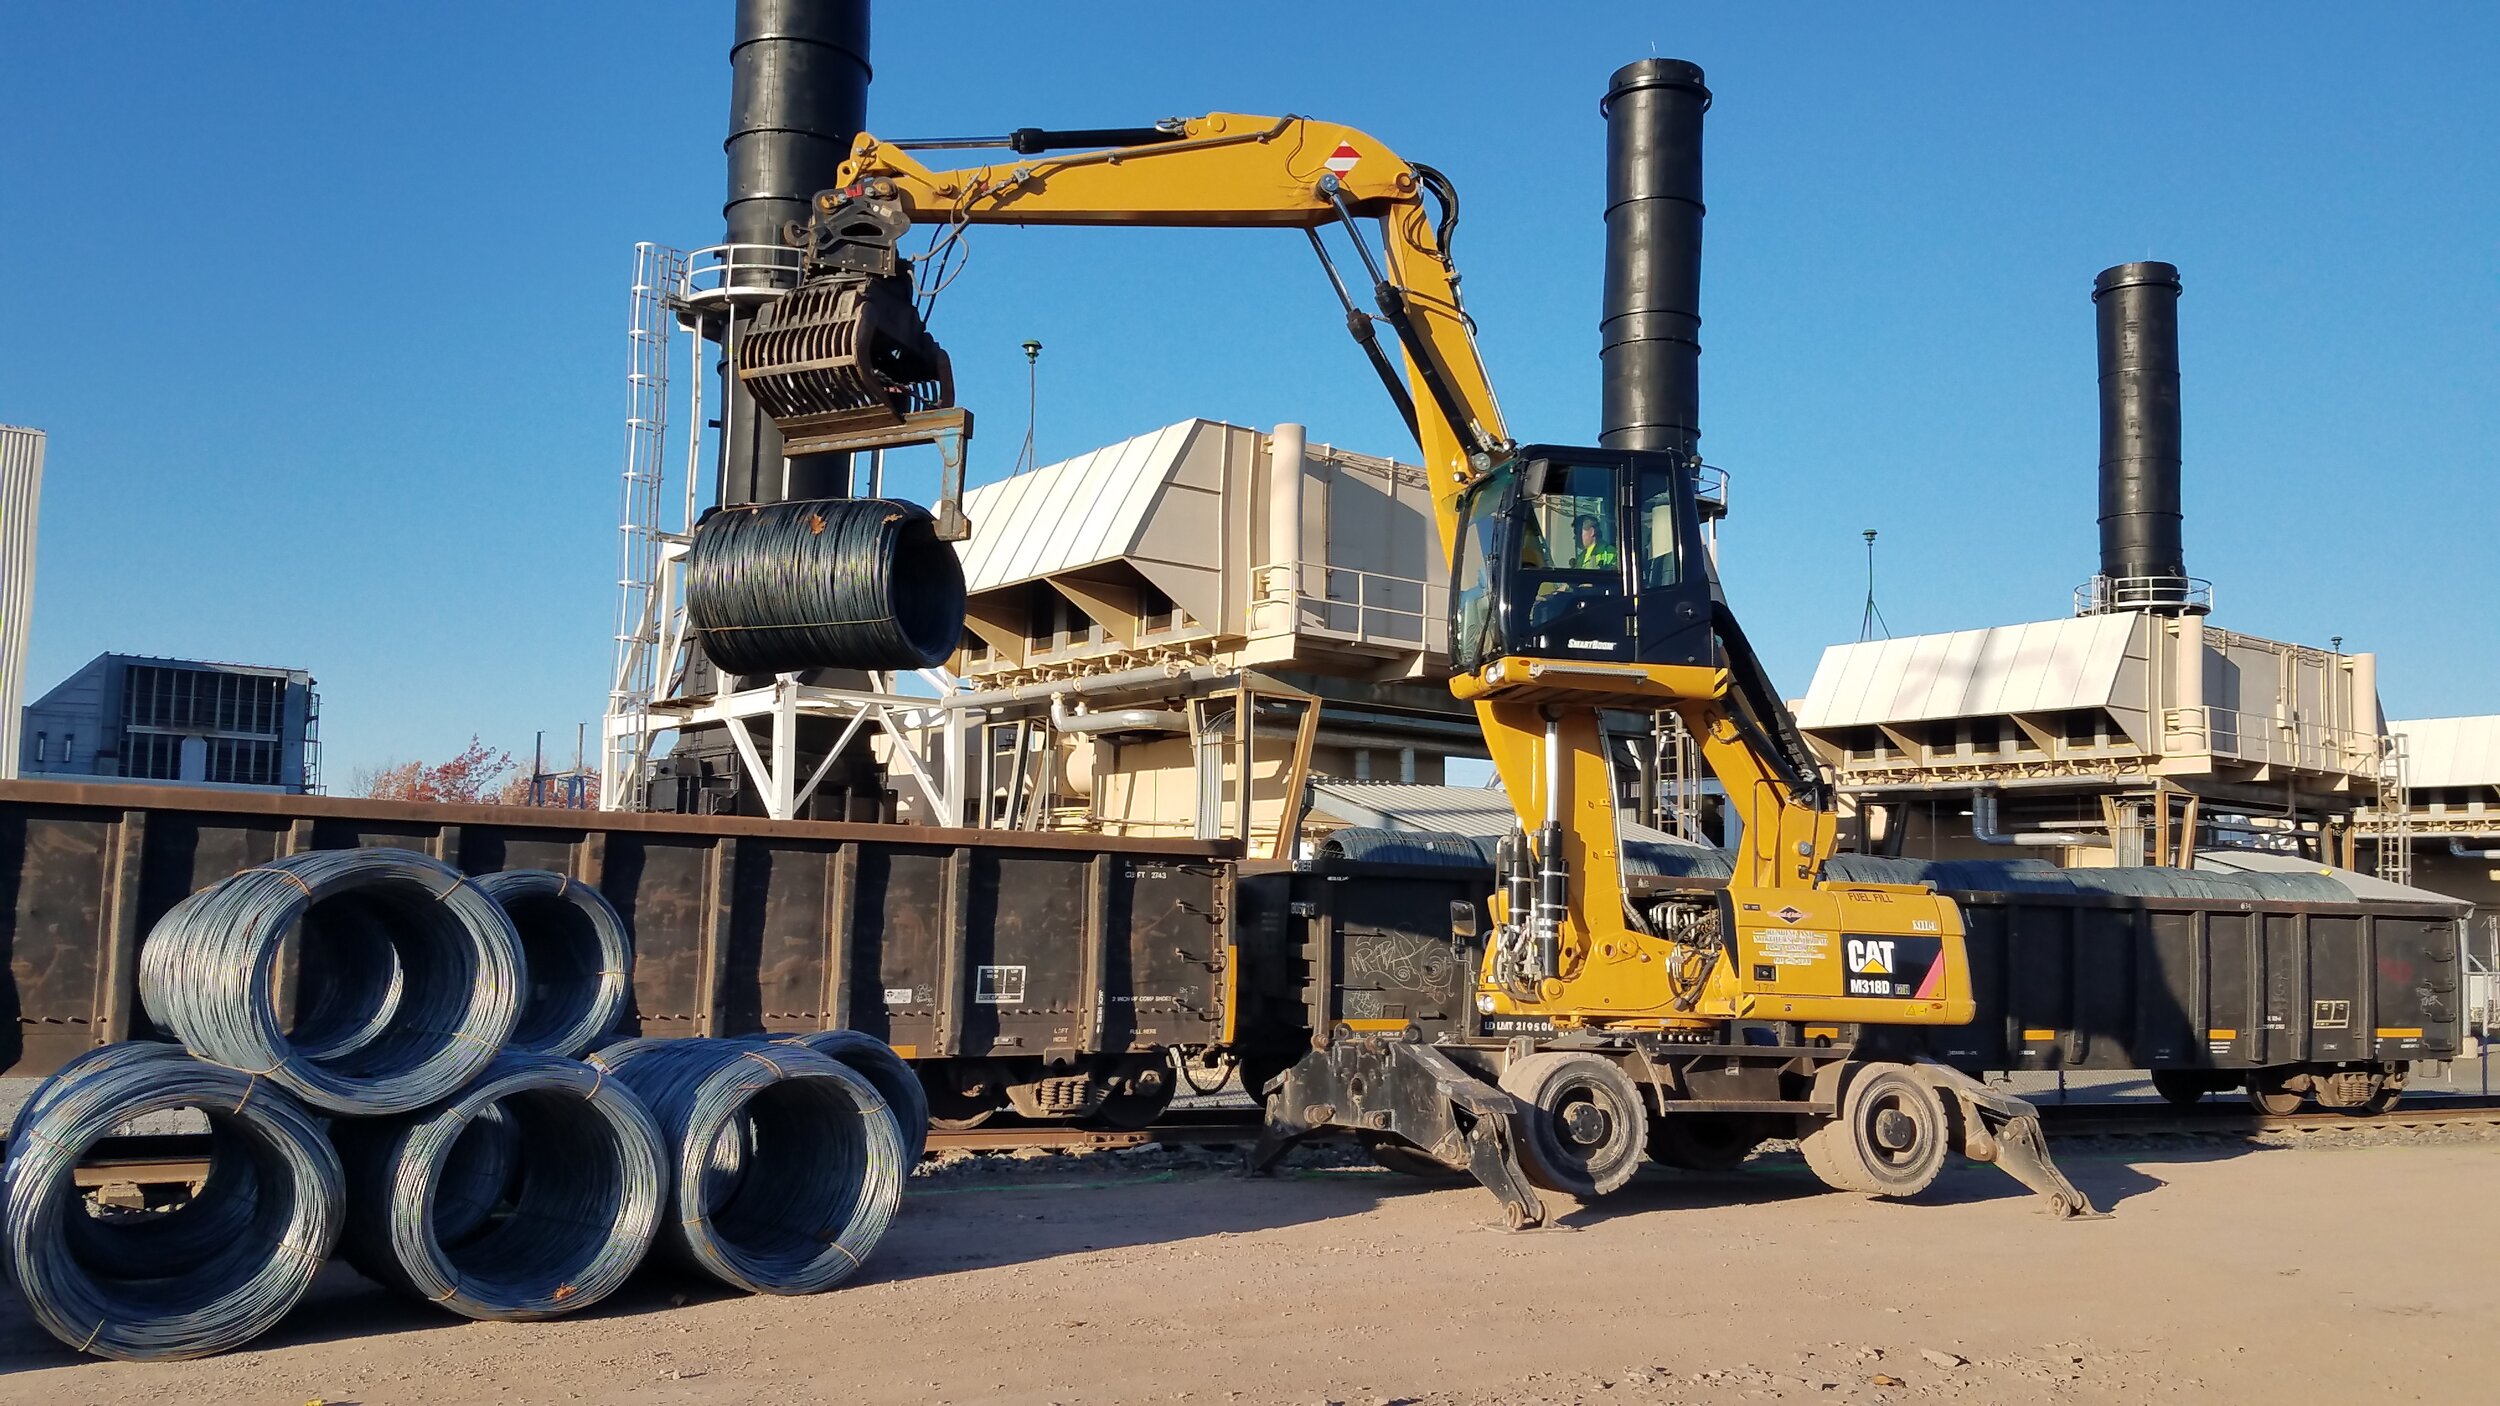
1594	554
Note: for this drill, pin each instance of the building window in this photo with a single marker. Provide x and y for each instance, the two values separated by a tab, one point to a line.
43	746
242	763
153	756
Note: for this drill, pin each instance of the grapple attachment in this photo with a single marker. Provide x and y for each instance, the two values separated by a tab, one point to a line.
846	351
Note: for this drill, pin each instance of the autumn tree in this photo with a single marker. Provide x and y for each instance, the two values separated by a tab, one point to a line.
471	778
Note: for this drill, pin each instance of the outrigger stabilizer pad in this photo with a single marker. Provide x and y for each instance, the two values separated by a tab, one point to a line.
1998	1127
1400	1088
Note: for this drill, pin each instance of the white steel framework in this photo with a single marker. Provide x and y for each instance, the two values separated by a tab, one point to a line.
674	291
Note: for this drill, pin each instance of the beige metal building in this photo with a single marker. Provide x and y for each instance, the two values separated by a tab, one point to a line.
2125	737
1152	622
2452	811
21	489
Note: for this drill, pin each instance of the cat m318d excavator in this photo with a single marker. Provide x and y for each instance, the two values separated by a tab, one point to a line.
1691	1024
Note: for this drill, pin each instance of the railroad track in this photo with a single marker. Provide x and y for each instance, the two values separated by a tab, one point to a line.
2222	1119
164	1159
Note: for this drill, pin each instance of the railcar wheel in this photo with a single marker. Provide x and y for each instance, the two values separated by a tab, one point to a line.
2267	1095
2389	1090
1704	1142
1890	1138
2181	1088
962	1099
1137	1098
1581	1123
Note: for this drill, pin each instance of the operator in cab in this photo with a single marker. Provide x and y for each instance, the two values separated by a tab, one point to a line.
1596	553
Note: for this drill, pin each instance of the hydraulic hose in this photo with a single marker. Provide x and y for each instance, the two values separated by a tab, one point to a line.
545	1214
875	1060
579	960
827	583
232	1263
208	975
788	1168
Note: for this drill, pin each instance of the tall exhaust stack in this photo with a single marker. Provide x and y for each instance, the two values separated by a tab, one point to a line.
798	97
1649	350
2136	312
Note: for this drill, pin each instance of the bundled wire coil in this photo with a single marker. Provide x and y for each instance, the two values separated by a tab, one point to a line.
208	975
788	1167
185	1283
532	1194
875	1060
579	960
859	583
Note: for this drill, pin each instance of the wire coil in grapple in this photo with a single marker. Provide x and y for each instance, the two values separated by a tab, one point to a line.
183	1283
831	583
208	975
788	1166
577	1176
580	963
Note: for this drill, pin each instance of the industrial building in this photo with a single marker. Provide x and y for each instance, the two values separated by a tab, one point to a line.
2135	731
134	718
21	491
2452	813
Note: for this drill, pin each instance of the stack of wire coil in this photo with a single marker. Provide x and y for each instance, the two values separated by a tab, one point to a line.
788	1166
470	1160
410	1032
854	583
532	1194
875	1060
195	1280
577	955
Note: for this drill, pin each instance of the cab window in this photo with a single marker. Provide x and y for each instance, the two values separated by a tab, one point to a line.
1655	512
1573	524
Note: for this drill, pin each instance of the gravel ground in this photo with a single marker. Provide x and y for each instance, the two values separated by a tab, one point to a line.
2341	1271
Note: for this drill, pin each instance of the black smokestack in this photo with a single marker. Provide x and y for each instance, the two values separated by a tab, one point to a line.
2136	312
798	96
1650	330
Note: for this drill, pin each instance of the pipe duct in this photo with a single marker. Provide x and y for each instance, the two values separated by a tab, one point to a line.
1983	827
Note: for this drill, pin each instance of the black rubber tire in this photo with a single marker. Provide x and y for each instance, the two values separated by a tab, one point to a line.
1581	1122
2268	1096
1404	1158
2182	1088
1897	1130
1704	1142
1834	1163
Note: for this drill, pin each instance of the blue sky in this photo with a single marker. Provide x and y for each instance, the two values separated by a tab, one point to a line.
324	305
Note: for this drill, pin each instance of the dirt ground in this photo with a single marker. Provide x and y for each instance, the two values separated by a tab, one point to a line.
2347	1269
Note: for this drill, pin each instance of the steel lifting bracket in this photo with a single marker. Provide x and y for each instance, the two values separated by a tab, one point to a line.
2000	1128
1411	1091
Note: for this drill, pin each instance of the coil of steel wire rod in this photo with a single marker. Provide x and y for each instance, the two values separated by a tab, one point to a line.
157	1241
208	975
859	583
176	1284
787	1166
576	1177
579	960
875	1060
